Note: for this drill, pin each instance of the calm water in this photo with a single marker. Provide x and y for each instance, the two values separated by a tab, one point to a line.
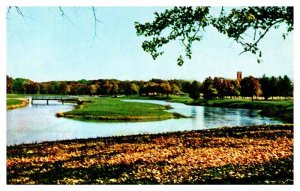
37	123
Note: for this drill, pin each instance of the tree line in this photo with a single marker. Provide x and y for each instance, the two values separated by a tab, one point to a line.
210	88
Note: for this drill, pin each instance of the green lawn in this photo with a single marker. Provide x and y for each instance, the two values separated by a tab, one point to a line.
15	96
115	109
10	102
34	95
14	101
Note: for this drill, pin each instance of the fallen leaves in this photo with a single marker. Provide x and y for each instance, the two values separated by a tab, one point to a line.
187	157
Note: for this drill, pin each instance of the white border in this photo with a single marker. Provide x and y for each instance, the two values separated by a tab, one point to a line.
149	2
5	3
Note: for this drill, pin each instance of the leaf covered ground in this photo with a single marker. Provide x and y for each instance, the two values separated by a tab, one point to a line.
230	155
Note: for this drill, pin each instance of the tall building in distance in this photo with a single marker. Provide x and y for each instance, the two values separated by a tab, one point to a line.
239	76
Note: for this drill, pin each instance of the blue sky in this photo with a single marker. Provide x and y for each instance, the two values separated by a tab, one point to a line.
46	46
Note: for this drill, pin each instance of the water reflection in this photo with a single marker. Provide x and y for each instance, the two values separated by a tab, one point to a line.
37	123
193	112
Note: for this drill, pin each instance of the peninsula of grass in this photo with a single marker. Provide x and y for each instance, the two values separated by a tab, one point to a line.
14	101
230	155
278	109
114	109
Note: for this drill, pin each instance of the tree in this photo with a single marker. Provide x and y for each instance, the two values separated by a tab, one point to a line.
175	89
194	91
115	88
64	88
54	88
128	88
208	89
134	88
74	89
250	87
19	85
149	88
266	86
232	89
188	24
32	88
92	89
165	88
107	87
274	86
44	88
186	87
286	86
220	85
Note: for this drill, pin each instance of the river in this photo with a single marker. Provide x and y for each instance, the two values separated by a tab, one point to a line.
38	123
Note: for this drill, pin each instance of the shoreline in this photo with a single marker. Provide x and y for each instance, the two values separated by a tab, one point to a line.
209	132
265	108
109	110
24	103
119	119
273	111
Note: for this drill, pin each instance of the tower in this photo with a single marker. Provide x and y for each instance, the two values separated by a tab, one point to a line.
239	76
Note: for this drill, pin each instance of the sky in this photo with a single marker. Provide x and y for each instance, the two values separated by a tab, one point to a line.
46	46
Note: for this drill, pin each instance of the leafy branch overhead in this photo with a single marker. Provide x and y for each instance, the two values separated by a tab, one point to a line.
246	26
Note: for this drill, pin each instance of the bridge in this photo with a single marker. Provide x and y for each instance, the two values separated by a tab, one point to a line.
61	99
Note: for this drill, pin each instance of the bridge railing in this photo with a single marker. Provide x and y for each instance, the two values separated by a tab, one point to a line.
53	98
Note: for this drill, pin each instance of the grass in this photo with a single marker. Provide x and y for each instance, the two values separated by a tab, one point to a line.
279	109
10	102
114	109
15	96
231	155
14	101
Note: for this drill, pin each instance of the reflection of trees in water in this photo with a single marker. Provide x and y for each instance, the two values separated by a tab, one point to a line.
251	113
223	116
194	112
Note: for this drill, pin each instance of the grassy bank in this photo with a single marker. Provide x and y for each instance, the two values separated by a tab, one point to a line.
278	109
238	155
113	109
14	101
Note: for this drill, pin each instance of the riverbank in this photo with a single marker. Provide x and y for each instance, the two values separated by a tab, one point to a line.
114	109
278	109
14	103
237	155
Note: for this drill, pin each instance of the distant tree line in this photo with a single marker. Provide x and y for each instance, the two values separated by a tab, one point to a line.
210	88
95	87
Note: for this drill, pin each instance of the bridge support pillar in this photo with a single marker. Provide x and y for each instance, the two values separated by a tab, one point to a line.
47	102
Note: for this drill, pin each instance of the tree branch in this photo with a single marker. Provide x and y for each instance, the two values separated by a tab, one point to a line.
96	20
19	11
8	10
255	28
199	26
62	12
65	15
260	37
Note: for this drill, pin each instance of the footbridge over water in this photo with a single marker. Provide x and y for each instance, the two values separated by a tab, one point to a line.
61	99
